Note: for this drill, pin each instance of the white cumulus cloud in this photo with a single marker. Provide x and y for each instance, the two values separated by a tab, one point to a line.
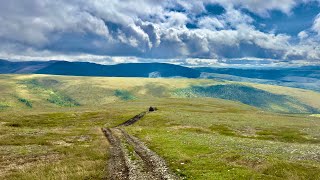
147	29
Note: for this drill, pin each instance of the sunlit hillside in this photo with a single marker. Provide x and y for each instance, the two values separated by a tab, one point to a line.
199	138
44	91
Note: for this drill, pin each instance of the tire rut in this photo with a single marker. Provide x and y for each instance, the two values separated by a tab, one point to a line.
131	159
117	166
154	163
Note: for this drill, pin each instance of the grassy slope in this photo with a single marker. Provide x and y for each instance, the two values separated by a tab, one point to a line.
250	96
200	138
86	91
214	139
64	143
59	91
52	146
306	96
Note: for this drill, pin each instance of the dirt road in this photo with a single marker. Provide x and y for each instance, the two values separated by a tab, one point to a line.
130	159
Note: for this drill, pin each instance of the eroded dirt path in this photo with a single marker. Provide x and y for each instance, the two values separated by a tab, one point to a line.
133	120
131	159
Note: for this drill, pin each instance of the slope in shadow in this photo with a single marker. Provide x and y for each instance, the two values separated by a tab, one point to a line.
250	96
119	70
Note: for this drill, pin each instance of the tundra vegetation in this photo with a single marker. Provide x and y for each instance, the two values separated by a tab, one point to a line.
203	129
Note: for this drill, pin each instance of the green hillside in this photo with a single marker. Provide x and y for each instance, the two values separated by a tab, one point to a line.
198	138
50	127
250	96
42	91
216	139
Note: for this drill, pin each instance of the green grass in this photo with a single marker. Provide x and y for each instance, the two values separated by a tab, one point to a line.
199	137
205	139
53	146
48	88
315	115
285	135
45	91
43	82
250	96
223	130
156	90
58	143
4	106
25	102
62	100
124	95
276	134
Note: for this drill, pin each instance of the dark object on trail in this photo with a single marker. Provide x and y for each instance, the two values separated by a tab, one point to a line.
151	109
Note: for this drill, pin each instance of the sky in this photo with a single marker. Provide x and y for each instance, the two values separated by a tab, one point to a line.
187	32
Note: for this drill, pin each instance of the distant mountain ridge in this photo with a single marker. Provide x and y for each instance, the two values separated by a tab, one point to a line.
270	74
9	67
305	77
92	69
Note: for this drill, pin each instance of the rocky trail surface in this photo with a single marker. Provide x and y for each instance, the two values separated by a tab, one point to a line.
131	159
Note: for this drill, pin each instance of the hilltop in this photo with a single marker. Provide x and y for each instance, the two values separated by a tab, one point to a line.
92	69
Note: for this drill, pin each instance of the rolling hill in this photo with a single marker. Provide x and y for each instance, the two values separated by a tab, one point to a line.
306	77
268	73
46	91
250	96
8	67
50	127
92	69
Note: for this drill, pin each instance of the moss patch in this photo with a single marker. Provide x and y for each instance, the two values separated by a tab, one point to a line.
62	100
46	87
25	102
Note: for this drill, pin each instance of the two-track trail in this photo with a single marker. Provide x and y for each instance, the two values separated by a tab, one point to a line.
131	159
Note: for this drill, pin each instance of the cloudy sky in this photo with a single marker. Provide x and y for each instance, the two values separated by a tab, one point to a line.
187	32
